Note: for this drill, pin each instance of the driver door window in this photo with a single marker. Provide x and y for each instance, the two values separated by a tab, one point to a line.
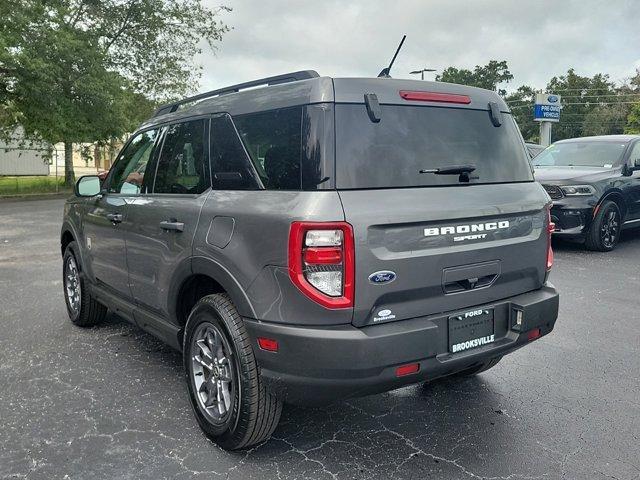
129	172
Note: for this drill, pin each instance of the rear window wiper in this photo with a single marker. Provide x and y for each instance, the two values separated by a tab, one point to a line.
450	170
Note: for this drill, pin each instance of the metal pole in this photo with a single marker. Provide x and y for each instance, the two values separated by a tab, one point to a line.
56	180
545	134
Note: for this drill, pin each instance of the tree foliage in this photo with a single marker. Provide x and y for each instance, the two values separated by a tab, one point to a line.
487	76
89	70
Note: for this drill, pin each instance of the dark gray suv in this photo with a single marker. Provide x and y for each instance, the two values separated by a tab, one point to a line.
307	239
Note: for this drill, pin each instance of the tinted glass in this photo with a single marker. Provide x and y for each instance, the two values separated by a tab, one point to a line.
181	164
409	139
130	169
274	142
231	169
587	154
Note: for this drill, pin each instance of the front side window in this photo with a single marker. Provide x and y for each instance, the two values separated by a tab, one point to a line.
181	164
274	142
130	169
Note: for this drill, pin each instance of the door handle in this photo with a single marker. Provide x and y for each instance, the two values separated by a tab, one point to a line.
114	217
172	225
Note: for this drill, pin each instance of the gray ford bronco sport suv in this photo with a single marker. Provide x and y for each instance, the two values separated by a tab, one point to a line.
306	239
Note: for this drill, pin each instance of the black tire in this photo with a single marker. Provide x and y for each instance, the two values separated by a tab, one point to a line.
253	413
605	230
483	367
84	311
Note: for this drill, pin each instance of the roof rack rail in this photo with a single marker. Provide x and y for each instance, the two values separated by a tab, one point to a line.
284	78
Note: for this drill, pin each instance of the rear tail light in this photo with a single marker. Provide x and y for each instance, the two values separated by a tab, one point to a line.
550	228
435	97
321	262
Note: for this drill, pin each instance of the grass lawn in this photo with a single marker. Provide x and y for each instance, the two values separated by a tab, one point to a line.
31	185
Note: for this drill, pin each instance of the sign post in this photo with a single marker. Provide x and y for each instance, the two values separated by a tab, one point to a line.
546	111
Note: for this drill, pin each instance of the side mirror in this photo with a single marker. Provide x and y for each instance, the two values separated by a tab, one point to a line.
88	186
636	164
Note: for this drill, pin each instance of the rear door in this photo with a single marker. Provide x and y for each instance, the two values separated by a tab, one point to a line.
160	225
429	243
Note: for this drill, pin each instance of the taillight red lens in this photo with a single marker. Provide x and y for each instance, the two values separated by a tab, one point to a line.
435	97
322	255
321	262
550	228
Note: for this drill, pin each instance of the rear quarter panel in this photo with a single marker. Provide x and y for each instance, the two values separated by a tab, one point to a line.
255	255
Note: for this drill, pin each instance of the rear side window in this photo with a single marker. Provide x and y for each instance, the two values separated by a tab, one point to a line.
274	142
231	169
408	139
181	164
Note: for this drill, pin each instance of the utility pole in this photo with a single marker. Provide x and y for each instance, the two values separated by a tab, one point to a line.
421	72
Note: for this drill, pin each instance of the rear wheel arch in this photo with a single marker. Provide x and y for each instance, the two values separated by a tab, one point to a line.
206	277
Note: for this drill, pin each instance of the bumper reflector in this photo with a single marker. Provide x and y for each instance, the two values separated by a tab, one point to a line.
533	334
408	369
268	344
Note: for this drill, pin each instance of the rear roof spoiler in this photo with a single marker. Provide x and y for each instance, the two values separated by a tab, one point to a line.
278	79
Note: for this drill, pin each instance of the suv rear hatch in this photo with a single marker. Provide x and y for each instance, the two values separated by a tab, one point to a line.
427	243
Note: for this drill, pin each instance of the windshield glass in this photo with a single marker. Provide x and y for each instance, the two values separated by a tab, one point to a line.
409	139
584	154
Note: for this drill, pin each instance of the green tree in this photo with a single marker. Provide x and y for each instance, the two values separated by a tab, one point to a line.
487	76
581	96
633	120
521	104
90	70
605	120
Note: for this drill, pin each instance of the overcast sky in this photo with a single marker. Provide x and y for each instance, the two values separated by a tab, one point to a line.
539	39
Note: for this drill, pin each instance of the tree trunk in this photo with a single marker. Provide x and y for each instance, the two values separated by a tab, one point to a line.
69	176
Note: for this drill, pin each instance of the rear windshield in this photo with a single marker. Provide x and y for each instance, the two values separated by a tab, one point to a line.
585	154
408	139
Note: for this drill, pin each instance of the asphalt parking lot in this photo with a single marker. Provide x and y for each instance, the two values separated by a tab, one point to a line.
110	402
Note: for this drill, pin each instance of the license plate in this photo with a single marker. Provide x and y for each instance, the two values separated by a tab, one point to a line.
471	329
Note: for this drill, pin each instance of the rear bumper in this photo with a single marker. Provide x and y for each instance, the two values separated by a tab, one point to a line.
318	365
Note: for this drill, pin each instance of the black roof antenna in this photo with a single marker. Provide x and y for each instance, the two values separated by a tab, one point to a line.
385	71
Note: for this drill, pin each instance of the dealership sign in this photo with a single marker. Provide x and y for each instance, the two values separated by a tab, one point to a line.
547	108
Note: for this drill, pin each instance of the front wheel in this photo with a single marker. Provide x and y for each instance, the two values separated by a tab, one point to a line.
83	309
605	230
229	401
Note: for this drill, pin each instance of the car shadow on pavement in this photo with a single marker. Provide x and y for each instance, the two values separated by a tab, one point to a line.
425	426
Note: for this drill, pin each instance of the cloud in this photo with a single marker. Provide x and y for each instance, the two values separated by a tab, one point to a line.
539	39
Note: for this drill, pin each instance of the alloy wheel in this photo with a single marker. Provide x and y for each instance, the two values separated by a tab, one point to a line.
73	288
212	373
610	228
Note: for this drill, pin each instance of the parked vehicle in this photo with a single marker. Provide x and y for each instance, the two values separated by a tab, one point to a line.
534	149
317	239
595	187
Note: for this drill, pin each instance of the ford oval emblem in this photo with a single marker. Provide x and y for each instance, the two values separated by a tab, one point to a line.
552	98
383	276
384	313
